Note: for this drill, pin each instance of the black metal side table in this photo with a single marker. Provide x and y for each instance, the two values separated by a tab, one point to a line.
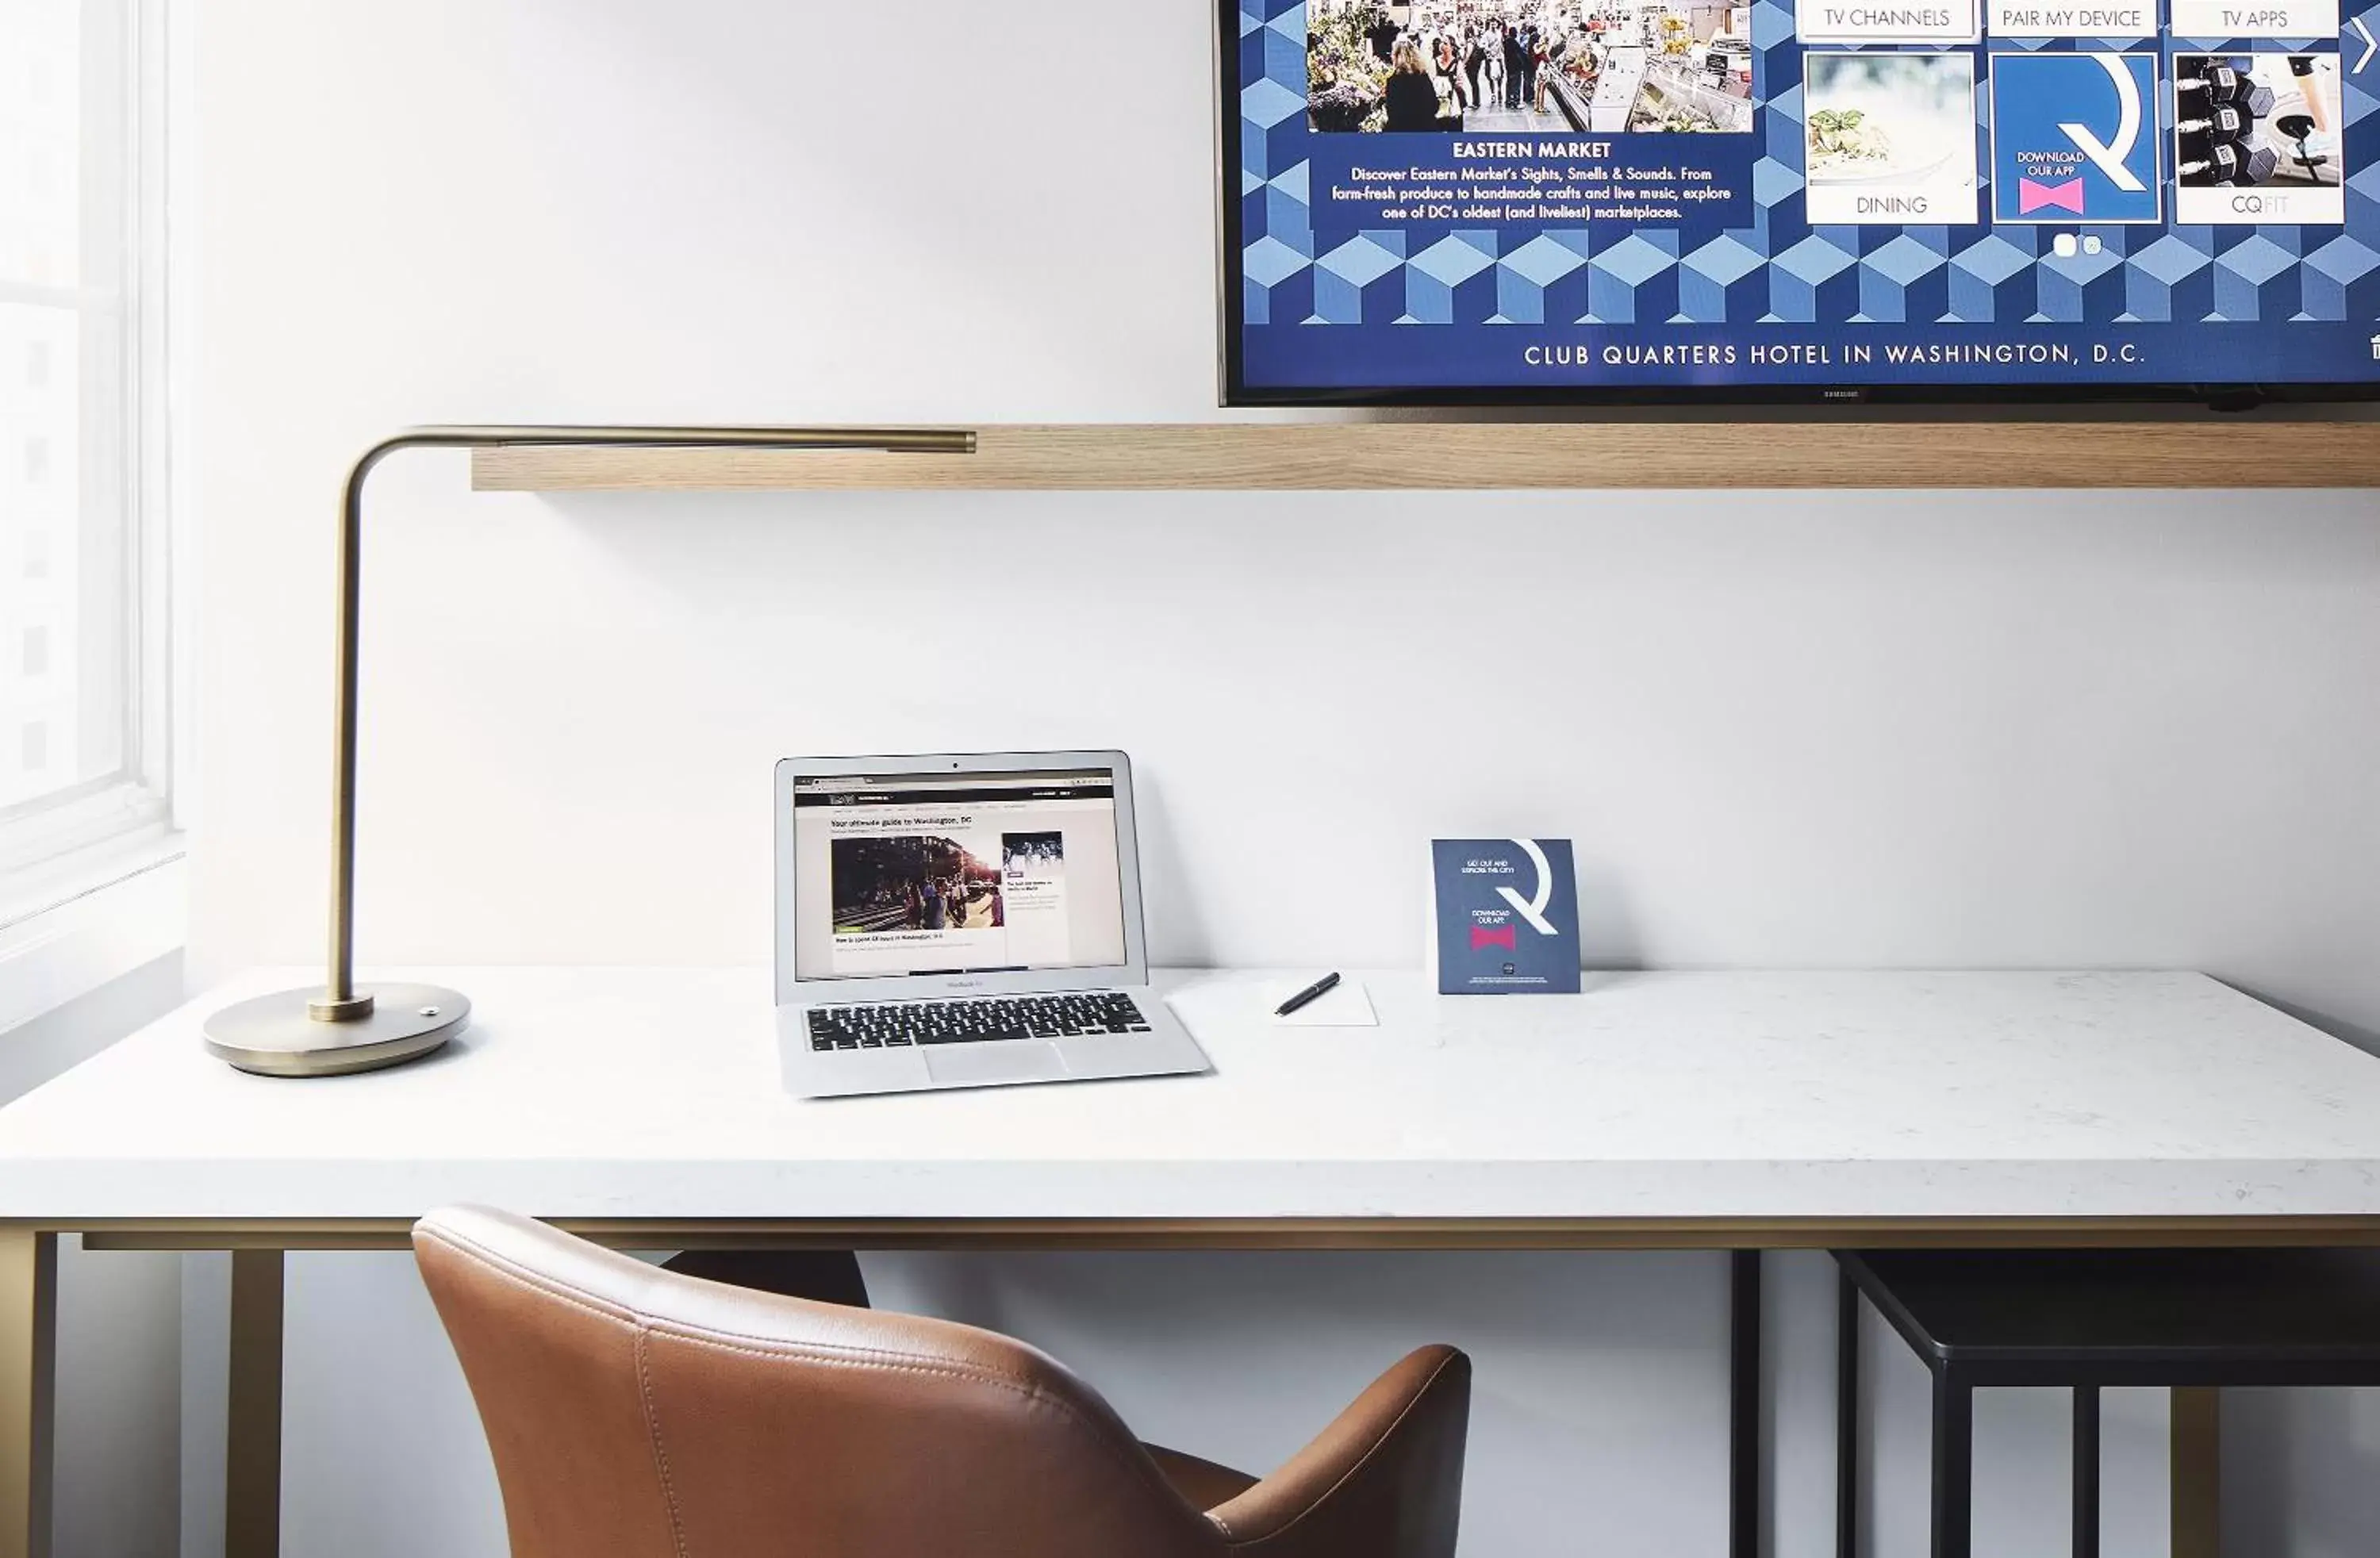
2085	1320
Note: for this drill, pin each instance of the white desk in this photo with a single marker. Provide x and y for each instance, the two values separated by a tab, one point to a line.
1723	1111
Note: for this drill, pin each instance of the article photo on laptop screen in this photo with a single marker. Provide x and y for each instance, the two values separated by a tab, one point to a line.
955	873
1548	201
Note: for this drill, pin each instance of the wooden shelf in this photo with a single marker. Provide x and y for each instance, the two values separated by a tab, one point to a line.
1320	456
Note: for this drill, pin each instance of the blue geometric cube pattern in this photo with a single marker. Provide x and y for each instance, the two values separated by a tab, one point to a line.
1779	268
1633	282
2363	192
1286	209
1454	278
1726	278
1544	281
2075	288
1361	280
2341	280
1904	282
1812	281
1991	279
2257	280
2169	280
1279	284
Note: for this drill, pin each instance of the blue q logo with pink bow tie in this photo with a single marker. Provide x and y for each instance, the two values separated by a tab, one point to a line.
2074	138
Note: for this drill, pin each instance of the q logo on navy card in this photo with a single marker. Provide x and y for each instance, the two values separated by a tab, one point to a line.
2074	138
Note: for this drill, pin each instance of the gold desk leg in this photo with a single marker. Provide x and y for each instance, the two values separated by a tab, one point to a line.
2197	1471
29	1292
252	1434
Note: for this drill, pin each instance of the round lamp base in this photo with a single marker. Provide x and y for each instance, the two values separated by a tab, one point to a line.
276	1036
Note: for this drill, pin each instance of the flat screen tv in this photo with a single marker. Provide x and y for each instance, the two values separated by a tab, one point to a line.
1508	202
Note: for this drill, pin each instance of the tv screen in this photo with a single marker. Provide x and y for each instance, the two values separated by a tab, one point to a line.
1518	201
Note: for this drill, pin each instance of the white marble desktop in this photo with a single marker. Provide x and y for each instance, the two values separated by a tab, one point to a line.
654	1093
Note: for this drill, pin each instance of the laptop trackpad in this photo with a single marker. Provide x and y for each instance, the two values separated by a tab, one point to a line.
1014	1060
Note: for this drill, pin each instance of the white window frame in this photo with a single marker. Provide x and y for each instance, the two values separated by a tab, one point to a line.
92	878
49	842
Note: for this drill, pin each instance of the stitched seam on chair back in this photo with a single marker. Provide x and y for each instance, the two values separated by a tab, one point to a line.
798	1356
568	1293
1371	1452
654	1432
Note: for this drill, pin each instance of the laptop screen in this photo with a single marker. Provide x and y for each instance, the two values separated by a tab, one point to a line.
955	873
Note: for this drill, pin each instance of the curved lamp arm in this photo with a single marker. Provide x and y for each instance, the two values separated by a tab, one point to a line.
340	1028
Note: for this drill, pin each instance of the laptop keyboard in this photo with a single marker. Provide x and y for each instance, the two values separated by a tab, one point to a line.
910	1023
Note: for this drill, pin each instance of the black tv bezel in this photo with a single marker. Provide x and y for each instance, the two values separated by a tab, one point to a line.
1235	391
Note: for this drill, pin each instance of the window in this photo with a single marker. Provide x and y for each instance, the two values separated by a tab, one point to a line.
82	427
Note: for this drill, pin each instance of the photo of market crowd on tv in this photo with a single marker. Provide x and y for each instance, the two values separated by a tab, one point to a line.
1526	66
912	881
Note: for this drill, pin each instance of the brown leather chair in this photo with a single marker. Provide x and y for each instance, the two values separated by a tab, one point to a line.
636	1413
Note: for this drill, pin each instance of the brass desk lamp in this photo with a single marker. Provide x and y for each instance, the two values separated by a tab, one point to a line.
340	1028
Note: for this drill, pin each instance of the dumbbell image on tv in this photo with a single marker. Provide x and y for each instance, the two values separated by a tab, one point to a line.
2256	137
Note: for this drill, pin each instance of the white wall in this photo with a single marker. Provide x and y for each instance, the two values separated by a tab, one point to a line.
1785	729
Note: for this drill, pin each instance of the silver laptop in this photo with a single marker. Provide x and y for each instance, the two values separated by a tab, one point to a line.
963	922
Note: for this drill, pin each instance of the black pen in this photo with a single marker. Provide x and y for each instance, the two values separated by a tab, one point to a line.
1312	993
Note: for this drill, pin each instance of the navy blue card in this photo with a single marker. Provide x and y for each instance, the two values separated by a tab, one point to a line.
1507	915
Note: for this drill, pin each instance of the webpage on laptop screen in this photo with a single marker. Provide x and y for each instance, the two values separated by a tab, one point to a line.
949	873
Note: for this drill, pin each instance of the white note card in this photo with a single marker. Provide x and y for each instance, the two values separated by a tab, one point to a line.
1345	1005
